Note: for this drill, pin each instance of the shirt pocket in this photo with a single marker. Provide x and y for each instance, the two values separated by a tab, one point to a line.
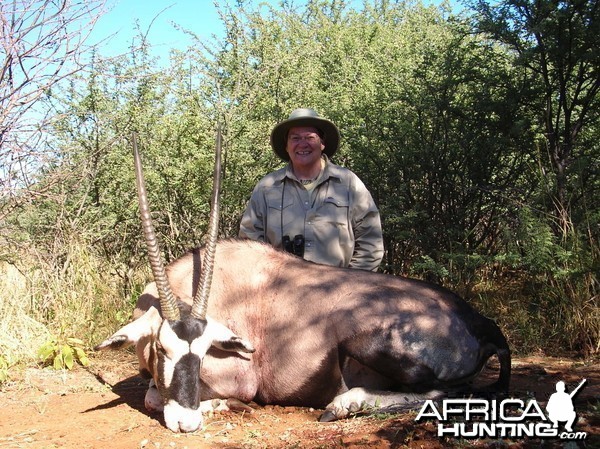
333	220
335	210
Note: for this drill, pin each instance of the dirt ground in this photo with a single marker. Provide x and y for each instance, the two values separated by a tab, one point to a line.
102	406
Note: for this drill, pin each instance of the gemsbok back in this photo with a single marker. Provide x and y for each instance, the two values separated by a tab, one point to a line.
276	329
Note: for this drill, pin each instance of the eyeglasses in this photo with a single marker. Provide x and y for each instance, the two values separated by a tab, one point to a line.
308	138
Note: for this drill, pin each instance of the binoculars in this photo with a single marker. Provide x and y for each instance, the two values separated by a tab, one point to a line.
295	246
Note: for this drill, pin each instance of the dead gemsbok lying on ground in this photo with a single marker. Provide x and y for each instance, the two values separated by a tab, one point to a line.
276	329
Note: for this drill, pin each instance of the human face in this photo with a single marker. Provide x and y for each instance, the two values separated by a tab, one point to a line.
304	146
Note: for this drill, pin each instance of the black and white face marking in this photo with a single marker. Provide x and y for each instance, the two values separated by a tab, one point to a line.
180	347
173	359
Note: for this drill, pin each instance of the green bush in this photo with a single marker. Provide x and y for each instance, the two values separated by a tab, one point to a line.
63	353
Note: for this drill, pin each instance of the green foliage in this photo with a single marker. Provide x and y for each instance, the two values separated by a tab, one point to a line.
62	353
556	43
444	126
536	243
430	269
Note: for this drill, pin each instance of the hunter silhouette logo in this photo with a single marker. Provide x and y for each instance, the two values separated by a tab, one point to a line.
508	418
560	406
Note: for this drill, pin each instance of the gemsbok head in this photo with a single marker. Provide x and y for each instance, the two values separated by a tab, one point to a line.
178	337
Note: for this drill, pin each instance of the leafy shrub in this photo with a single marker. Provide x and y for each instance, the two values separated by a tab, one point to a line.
62	354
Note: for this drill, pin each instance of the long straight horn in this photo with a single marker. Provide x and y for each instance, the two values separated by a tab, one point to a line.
168	304
201	299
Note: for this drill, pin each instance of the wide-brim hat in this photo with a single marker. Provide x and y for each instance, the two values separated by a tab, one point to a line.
304	117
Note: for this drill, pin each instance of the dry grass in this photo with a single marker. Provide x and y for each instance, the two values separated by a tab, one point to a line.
20	334
539	317
38	302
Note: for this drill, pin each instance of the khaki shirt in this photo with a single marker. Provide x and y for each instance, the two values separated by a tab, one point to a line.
338	218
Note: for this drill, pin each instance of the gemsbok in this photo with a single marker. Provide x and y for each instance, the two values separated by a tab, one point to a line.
276	329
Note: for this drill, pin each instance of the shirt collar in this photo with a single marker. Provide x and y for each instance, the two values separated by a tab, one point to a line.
330	171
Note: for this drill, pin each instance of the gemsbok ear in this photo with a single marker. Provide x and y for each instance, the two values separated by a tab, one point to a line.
223	338
131	333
